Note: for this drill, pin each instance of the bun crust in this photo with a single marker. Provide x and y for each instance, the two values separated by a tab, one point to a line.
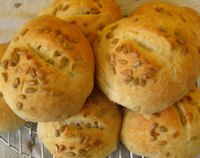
93	132
47	67
9	120
88	15
147	63
170	133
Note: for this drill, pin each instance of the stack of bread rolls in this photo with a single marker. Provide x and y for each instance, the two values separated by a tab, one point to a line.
147	62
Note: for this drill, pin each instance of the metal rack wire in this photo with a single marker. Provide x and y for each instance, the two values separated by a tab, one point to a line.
26	146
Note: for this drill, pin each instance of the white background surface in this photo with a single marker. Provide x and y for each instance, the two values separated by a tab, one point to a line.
11	18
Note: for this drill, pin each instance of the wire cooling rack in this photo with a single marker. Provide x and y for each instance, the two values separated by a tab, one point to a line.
25	142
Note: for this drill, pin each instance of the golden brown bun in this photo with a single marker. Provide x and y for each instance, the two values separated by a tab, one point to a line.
8	119
167	10
92	133
48	70
173	133
147	63
88	15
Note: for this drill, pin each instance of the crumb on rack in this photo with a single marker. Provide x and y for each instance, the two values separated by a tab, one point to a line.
30	145
17	5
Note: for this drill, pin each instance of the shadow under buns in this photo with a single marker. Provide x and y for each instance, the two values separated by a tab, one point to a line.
92	133
147	63
88	15
170	133
48	71
8	119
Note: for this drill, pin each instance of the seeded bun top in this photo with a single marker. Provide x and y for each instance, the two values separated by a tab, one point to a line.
147	63
8	119
93	132
170	133
88	15
47	71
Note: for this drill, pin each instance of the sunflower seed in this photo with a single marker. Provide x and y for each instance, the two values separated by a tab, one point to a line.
109	35
22	97
33	72
62	129
24	32
137	63
5	76
134	54
151	72
88	125
176	134
40	74
125	49
65	7
122	61
44	29
153	138
154	126
161	29
30	90
112	70
180	41
38	47
135	81
128	78
61	148
4	63
167	154
159	9
16	82
114	27
83	152
115	41
101	27
14	59
32	82
162	143
64	62
119	48
162	129
42	81
183	120
58	32
19	106
111	57
70	154
73	22
59	7
57	54
95	11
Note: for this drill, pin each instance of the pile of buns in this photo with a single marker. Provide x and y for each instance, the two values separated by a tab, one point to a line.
147	63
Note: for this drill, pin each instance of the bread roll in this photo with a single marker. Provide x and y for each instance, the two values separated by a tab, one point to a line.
88	15
184	14
173	133
147	63
92	133
47	71
8	119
